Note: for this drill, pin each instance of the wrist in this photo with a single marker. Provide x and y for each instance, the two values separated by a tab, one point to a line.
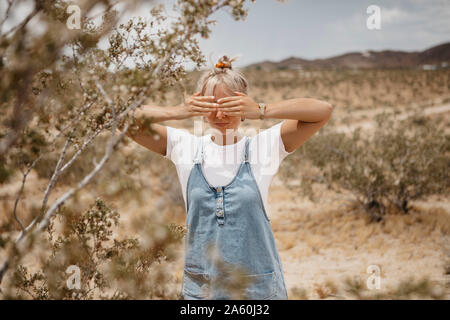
268	112
262	110
179	112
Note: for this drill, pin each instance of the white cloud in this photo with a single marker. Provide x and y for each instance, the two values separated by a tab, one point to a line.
395	16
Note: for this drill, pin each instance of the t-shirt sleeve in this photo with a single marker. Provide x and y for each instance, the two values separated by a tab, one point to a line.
176	139
273	138
270	150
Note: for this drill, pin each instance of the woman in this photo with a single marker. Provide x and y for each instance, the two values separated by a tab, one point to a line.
225	177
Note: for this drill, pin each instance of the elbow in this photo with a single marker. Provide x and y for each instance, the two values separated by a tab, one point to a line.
325	107
328	109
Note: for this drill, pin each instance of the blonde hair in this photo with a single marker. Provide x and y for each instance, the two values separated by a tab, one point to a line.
222	73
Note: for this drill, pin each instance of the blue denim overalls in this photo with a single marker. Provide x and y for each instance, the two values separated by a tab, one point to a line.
234	220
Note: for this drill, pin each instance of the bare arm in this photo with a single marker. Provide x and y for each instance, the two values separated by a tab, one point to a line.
152	135
305	117
147	119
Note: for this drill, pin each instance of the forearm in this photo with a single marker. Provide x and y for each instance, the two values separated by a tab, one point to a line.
148	114
302	109
159	114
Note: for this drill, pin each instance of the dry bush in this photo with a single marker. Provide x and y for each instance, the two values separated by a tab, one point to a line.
298	293
400	162
351	90
63	98
354	288
410	288
325	290
111	268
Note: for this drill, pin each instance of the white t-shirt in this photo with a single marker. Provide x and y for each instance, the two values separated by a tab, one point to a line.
221	163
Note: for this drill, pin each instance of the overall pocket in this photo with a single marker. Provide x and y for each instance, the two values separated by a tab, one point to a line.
261	286
195	284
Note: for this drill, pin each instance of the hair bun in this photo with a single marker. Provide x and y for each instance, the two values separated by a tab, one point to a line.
224	62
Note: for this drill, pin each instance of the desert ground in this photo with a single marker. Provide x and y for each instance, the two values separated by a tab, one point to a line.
326	246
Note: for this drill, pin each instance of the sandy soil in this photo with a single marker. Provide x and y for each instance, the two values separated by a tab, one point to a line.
320	243
317	242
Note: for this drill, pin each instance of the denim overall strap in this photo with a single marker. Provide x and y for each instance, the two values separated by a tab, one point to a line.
246	153
199	152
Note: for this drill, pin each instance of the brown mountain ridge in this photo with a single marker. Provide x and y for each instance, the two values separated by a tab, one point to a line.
432	58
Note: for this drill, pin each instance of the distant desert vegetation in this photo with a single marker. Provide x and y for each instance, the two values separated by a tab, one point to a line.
348	203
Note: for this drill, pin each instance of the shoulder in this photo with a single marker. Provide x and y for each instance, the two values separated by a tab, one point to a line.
176	134
271	137
268	145
268	133
180	143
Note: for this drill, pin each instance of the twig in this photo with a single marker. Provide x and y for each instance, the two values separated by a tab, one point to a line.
52	210
24	22
21	191
80	150
10	3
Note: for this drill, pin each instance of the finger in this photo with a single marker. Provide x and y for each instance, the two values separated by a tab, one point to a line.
240	93
226	99
199	102
204	104
230	104
204	98
232	109
204	109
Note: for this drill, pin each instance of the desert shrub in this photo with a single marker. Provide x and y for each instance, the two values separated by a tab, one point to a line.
408	288
356	288
365	90
110	268
80	167
62	93
398	162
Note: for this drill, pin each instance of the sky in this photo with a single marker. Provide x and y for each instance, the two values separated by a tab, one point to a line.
313	29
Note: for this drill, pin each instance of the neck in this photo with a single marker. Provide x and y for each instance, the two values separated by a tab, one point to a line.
226	139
